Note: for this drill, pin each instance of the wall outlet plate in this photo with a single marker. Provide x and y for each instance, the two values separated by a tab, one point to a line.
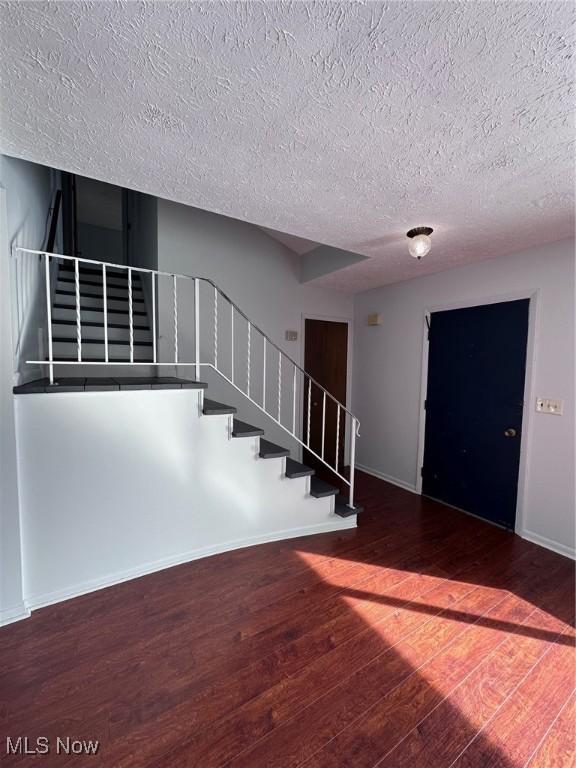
549	405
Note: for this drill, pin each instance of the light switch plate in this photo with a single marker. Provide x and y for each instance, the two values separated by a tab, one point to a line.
291	335
549	405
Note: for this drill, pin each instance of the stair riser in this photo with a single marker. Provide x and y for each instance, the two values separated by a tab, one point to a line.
94	290
96	351
94	302
91	332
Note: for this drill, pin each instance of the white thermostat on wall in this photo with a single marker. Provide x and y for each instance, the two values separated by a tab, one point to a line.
291	335
549	405
374	319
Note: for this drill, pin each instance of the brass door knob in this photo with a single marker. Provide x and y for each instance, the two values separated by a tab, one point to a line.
510	432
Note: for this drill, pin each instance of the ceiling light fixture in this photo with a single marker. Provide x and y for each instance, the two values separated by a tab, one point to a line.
420	242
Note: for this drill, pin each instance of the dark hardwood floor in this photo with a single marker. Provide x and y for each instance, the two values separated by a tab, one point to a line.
423	638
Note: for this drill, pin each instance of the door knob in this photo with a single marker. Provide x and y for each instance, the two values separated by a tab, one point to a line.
314	404
510	432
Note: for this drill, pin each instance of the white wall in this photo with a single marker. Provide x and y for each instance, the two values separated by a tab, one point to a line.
117	484
387	380
261	276
25	196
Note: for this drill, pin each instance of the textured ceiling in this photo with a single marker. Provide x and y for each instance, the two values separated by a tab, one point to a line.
343	123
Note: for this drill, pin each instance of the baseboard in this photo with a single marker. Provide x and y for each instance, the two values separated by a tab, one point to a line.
560	549
393	480
34	602
17	613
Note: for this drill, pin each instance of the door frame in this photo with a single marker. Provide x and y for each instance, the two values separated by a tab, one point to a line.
529	392
349	347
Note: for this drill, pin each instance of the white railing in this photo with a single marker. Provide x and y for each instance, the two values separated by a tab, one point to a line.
243	355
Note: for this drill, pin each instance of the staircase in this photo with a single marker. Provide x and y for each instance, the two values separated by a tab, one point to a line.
99	314
91	289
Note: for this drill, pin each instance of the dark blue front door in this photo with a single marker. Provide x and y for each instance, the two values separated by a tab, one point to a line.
474	401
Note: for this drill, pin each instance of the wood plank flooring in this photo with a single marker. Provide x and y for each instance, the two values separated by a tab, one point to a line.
423	639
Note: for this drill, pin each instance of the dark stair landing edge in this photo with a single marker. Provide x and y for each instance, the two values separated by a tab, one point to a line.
105	384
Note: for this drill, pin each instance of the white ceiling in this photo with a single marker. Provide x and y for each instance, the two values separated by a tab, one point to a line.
343	123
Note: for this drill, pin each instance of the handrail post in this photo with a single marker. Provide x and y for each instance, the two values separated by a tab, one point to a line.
197	328
154	289
105	308
323	422
248	360
131	316
175	294
49	316
352	463
232	342
78	311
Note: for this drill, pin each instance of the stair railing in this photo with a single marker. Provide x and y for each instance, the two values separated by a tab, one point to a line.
281	388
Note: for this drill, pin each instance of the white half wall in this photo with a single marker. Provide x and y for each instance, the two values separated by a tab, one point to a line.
118	484
387	380
263	278
25	197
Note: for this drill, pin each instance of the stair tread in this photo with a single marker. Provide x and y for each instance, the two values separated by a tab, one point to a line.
295	469
342	509
123	342
319	488
98	309
213	408
85	295
90	280
95	324
242	429
270	450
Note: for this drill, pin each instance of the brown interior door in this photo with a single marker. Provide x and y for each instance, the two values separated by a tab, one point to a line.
325	359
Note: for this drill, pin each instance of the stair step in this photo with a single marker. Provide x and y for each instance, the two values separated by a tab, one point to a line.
89	308
123	342
319	489
294	469
86	295
270	450
212	408
90	280
95	324
241	429
342	509
112	291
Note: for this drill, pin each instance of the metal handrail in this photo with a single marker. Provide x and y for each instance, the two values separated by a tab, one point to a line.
197	363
